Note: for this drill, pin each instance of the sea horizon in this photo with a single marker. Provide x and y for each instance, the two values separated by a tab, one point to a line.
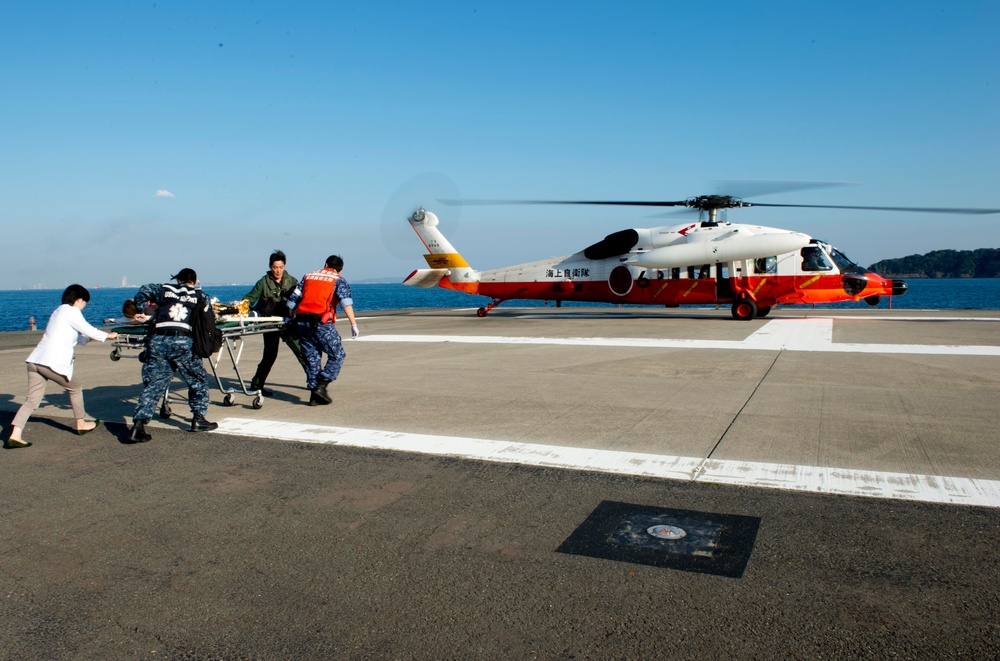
19	306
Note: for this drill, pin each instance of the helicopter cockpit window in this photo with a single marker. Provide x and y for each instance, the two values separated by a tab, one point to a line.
763	265
814	259
844	263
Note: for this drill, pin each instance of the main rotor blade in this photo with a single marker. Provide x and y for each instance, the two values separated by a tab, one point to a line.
744	188
616	203
716	202
841	206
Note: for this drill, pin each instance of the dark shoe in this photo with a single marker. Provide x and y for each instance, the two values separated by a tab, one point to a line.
81	432
256	386
138	433
319	392
199	423
315	400
11	444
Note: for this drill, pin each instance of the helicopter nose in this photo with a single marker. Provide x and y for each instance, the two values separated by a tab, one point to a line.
854	284
899	287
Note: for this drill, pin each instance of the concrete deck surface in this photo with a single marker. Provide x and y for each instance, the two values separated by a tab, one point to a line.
419	515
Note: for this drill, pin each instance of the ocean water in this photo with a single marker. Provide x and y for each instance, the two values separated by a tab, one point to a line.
17	307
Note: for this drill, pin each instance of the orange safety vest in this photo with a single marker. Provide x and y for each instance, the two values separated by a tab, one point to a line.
319	293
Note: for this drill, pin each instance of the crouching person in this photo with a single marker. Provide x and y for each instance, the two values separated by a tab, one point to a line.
169	351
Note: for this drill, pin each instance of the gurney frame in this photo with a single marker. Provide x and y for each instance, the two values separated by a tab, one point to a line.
234	329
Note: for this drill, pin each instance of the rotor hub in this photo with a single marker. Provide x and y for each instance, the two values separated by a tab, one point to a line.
713	202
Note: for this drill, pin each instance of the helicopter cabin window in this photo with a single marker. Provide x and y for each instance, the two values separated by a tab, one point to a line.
706	271
698	272
814	259
763	265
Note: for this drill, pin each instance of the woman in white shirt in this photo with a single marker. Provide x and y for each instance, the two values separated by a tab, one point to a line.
52	360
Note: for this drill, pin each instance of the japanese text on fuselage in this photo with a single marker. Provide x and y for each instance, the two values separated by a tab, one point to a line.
567	273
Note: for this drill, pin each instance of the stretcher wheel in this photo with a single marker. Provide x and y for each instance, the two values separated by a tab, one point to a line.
258	402
165	411
229	400
116	356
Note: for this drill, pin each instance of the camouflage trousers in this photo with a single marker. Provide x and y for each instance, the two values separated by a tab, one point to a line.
165	355
314	342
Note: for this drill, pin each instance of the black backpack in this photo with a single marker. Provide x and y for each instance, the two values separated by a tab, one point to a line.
205	335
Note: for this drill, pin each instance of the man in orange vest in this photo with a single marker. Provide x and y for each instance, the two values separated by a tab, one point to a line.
314	303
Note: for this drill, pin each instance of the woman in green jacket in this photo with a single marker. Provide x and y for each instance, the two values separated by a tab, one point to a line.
269	299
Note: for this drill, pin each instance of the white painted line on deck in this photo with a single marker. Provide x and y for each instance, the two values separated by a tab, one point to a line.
867	317
815	479
809	334
814	314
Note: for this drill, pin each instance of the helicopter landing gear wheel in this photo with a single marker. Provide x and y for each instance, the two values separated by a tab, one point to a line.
872	300
482	312
229	400
744	309
762	312
258	403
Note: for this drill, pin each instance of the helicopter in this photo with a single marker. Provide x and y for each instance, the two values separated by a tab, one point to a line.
708	261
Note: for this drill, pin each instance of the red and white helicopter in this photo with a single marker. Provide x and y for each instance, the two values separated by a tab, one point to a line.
709	261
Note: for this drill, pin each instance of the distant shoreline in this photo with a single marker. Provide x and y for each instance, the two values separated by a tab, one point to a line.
395	281
127	287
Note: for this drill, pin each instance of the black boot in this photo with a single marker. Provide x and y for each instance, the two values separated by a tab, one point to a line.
314	400
138	433
319	394
199	423
255	385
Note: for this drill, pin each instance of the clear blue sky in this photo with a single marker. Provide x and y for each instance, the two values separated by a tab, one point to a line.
294	125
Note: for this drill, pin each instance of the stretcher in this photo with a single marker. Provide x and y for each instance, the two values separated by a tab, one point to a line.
234	328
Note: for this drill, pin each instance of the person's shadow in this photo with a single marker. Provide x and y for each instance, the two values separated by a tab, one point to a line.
9	407
114	406
96	401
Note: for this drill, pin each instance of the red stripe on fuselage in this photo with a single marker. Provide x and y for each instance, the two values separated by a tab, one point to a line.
765	290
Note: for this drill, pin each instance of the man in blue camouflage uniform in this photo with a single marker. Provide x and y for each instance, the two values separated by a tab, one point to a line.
170	350
314	301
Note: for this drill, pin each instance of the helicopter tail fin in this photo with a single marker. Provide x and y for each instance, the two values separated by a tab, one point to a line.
447	268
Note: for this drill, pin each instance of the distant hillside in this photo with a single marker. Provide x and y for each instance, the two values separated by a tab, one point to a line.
982	263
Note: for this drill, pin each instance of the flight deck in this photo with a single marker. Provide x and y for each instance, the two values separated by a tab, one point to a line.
539	483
